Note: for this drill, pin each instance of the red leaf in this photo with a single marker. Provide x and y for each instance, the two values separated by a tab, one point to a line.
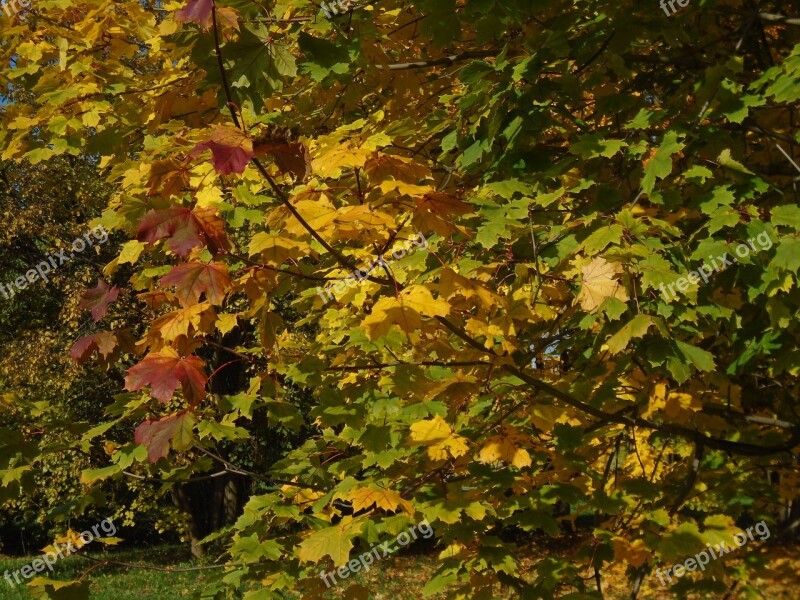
195	278
196	11
158	224
164	371
157	435
98	298
186	229
231	150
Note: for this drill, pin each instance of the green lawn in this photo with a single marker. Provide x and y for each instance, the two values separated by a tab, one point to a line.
112	582
395	578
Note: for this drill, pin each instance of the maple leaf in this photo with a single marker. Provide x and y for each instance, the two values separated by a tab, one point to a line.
98	299
212	229
335	542
168	222
185	228
196	11
172	325
231	150
104	343
195	278
436	211
452	284
275	249
291	158
396	171
157	435
599	283
363	498
164	371
405	310
167	177
439	437
635	552
506	448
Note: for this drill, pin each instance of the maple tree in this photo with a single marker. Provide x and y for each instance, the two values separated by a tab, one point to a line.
564	162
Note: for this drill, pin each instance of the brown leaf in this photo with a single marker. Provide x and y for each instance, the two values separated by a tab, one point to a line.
167	178
289	157
99	298
195	278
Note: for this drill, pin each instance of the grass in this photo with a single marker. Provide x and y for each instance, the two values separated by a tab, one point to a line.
394	578
112	582
398	578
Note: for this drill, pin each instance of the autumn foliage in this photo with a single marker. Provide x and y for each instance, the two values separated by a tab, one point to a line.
525	375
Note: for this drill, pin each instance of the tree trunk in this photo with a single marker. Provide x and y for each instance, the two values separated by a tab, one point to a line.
210	504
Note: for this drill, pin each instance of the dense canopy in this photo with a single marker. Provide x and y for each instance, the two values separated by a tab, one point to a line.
511	269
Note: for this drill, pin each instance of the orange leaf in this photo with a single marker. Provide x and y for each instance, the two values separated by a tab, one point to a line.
164	372
195	278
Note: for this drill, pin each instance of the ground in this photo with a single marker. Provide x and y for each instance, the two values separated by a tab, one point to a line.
395	578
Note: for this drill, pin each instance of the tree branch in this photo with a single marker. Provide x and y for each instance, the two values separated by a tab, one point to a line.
426	363
446	60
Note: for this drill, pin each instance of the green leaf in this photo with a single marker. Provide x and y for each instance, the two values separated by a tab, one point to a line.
786	214
787	256
660	164
323	57
699	358
635	328
594	145
600	239
644	119
256	68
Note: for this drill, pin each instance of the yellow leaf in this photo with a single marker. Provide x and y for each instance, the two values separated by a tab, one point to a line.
439	437
634	553
363	498
226	323
331	161
131	251
599	283
505	448
405	311
454	446
174	324
433	430
452	284
545	416
276	249
452	550
674	405
419	298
